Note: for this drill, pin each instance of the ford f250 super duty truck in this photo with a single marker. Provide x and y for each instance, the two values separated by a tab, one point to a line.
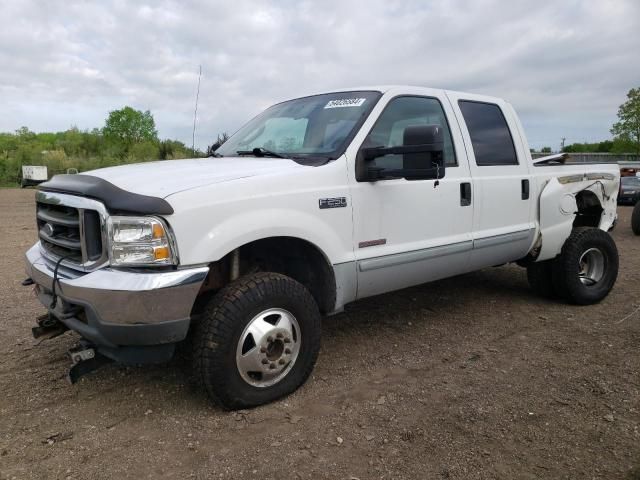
315	203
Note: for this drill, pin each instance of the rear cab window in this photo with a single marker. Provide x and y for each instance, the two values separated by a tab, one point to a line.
490	135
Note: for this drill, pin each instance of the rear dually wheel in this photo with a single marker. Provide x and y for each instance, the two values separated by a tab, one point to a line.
587	267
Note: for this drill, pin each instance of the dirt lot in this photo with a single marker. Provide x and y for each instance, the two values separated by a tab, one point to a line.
472	377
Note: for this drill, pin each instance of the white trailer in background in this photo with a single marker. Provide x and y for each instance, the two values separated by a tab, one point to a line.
33	175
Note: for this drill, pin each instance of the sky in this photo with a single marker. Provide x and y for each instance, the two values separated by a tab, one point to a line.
565	65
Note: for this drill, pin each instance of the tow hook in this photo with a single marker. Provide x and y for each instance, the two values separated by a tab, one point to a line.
48	327
27	281
84	359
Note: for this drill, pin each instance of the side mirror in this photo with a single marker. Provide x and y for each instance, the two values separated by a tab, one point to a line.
422	150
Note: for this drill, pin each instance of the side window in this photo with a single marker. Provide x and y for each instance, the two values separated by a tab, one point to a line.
489	132
400	113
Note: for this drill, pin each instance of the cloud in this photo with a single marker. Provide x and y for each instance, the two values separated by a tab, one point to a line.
565	66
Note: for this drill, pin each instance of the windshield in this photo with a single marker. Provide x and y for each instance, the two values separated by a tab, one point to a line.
630	181
309	127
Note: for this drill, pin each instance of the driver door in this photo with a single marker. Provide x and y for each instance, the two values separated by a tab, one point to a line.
408	232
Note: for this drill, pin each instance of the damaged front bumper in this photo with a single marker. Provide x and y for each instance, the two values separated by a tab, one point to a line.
129	316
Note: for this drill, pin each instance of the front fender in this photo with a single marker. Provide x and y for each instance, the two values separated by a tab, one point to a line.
241	229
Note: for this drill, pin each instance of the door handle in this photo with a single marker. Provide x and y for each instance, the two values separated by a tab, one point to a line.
465	194
525	189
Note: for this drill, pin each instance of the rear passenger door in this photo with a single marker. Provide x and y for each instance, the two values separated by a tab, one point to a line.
503	216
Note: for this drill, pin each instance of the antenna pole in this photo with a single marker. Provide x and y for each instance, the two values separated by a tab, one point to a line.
195	113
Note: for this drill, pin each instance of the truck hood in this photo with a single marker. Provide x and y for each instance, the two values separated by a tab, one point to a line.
163	178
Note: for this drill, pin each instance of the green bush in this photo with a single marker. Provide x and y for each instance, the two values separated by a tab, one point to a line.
84	150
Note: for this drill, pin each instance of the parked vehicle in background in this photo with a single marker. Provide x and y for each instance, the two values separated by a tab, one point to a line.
33	175
629	190
635	219
315	203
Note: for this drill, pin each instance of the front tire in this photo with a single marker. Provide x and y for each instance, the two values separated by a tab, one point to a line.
635	219
257	341
586	269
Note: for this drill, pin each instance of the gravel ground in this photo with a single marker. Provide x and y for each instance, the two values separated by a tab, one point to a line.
470	377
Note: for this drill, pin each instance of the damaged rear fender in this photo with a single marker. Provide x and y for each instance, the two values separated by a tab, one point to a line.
558	209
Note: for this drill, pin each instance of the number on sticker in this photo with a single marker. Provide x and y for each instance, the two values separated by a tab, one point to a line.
345	102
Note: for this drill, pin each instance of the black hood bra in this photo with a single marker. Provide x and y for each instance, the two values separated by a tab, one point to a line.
114	198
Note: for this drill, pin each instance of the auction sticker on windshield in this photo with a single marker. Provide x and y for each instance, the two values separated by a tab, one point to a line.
345	102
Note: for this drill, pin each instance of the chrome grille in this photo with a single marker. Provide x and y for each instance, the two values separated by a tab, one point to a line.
72	227
59	230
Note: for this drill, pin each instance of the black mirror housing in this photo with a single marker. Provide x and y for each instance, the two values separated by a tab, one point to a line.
422	151
423	134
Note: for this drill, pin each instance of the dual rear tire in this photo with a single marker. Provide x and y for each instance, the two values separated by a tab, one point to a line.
584	272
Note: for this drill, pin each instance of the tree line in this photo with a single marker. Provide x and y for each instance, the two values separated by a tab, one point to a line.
626	131
128	136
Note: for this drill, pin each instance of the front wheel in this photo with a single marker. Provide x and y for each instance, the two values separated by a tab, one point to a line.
257	341
586	269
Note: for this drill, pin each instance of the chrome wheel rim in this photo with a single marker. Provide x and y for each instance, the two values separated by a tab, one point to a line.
268	347
591	266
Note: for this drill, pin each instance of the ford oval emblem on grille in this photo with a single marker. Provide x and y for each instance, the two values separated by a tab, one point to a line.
48	229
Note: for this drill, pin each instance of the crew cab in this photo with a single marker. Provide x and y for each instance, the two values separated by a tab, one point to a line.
316	202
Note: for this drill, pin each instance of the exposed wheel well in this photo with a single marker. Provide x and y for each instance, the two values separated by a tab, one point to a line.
589	210
296	258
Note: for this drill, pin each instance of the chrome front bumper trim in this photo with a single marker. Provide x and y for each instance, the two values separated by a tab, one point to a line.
120	297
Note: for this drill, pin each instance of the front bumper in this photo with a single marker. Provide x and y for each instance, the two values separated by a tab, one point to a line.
119	308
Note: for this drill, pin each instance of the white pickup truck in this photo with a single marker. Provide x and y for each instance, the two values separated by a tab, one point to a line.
315	203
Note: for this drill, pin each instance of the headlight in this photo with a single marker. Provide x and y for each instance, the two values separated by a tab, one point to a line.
140	241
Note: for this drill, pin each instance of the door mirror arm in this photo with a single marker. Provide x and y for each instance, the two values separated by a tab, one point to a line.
379	173
416	141
375	173
374	152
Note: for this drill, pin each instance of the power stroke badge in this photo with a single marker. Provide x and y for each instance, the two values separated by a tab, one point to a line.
336	202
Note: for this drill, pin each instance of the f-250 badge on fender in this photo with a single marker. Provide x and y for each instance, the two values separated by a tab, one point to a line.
336	202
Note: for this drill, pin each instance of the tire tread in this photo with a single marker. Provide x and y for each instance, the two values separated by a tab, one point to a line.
220	319
565	264
540	278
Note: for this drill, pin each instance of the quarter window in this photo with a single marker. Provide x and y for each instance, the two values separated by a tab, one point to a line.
490	136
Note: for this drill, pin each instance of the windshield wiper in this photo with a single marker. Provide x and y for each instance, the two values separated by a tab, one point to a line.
260	152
